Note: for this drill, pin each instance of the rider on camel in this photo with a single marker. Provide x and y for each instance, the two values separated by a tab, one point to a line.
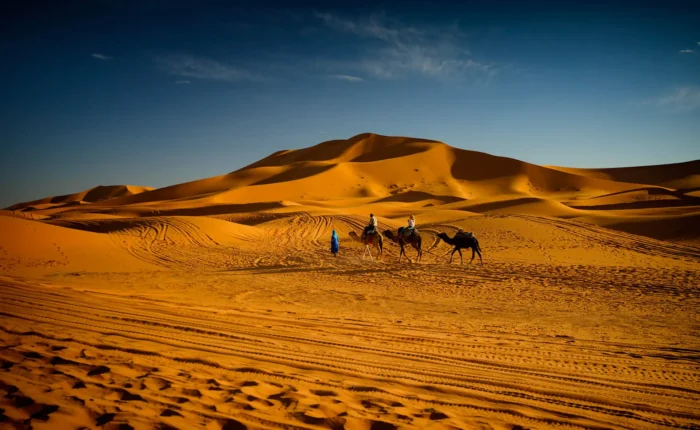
372	227
461	232
411	229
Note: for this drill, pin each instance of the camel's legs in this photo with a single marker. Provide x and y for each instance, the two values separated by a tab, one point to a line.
403	252
473	252
480	260
367	249
452	255
461	259
403	249
364	253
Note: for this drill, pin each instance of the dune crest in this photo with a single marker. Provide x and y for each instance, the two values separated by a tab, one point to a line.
679	176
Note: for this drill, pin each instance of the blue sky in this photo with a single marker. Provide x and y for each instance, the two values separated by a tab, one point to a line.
157	93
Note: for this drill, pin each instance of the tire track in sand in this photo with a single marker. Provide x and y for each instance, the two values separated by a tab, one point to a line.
437	382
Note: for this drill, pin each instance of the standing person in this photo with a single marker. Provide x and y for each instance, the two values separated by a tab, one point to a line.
335	244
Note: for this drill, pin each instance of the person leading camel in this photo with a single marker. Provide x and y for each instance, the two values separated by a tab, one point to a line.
335	244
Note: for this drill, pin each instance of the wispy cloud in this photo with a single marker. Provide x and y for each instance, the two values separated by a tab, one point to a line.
686	51
683	99
400	49
370	27
182	82
348	78
101	57
204	68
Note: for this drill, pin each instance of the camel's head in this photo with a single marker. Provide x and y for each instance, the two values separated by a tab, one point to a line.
443	236
354	235
388	233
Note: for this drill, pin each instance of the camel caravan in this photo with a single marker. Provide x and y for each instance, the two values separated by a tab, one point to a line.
371	238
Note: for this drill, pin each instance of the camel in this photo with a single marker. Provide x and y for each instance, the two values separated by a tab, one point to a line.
462	241
414	240
372	239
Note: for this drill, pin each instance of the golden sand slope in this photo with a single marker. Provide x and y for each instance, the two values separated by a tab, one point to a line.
257	326
29	246
216	304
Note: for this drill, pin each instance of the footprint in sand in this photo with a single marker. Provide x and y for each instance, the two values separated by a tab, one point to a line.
232	424
104	419
99	370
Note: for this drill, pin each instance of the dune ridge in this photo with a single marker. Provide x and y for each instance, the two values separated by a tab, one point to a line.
92	195
680	176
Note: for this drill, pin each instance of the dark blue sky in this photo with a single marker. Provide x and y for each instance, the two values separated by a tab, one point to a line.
161	92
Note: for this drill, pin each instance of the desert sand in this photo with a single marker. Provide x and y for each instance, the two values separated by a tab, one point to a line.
216	303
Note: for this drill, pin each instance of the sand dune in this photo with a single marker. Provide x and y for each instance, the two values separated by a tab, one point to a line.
216	304
91	195
366	166
680	176
30	246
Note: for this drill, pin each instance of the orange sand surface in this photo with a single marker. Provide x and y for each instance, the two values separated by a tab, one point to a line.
216	304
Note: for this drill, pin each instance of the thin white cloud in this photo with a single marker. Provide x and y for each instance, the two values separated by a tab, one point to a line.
686	51
348	78
101	57
204	68
683	99
371	27
437	53
182	82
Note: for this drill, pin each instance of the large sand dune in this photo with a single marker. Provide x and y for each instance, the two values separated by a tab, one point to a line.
216	304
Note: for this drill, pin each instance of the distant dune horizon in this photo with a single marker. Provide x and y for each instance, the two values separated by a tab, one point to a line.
628	173
375	169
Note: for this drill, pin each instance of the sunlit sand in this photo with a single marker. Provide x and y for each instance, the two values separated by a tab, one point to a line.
217	303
